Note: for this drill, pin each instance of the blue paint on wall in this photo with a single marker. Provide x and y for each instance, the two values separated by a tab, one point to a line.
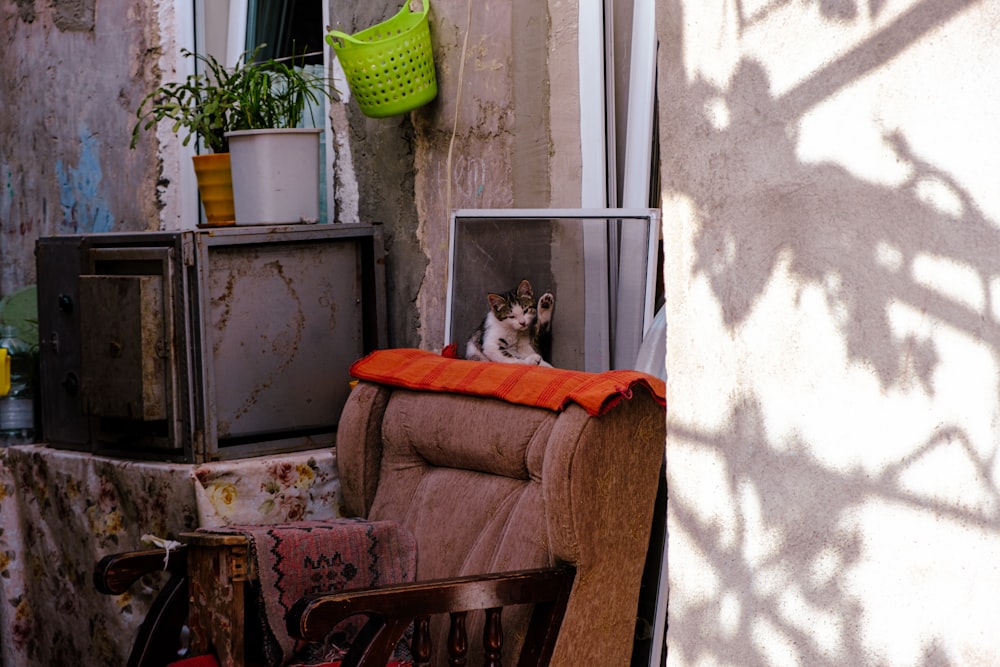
6	194
83	207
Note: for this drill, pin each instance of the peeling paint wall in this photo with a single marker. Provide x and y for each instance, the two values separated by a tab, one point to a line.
71	75
832	225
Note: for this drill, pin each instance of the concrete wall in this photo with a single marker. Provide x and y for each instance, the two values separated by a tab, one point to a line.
832	227
503	132
71	76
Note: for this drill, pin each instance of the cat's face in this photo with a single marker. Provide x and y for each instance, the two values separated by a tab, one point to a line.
516	309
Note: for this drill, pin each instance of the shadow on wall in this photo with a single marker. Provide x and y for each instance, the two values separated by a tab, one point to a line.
863	249
805	504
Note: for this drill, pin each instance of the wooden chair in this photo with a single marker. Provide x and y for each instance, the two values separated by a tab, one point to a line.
158	640
391	611
544	514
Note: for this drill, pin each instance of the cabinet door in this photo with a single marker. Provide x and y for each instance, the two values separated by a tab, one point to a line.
125	350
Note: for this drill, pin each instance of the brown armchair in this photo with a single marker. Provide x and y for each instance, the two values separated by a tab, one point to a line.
561	499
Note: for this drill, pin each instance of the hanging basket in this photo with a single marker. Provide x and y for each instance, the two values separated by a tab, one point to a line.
390	66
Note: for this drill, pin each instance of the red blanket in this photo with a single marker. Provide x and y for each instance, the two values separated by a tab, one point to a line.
538	386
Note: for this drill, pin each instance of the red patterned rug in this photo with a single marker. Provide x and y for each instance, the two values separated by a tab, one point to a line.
308	557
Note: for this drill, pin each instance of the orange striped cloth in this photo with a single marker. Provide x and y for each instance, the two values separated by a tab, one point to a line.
537	386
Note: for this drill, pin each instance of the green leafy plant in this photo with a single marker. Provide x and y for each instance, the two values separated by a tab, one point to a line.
275	93
254	95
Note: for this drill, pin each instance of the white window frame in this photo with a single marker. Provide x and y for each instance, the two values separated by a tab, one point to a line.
195	28
598	152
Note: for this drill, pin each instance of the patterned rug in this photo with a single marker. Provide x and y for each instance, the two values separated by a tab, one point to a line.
308	557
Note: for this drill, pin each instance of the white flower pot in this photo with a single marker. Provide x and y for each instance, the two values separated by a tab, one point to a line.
275	175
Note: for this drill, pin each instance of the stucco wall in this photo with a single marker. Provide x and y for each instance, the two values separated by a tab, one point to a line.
71	75
833	289
492	139
486	141
503	132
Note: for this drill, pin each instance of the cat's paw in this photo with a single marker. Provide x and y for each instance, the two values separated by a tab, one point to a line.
544	307
546	301
534	360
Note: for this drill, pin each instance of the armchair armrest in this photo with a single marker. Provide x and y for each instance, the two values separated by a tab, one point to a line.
391	610
158	636
115	573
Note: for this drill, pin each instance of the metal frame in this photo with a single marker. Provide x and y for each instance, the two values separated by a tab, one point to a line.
623	293
374	313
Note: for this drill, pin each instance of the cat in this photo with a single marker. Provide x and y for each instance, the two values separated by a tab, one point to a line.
515	330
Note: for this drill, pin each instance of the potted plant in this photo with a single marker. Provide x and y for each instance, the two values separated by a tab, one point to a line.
275	161
219	106
200	107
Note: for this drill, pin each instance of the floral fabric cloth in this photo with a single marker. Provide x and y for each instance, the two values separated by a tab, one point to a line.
62	511
269	490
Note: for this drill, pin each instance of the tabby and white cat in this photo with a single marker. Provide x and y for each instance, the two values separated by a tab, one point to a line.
516	330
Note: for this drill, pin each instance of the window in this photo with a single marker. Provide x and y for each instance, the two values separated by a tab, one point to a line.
227	29
293	27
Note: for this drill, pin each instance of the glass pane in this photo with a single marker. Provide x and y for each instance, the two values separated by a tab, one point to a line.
595	262
286	28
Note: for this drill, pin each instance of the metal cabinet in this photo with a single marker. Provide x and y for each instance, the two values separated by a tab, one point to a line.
204	345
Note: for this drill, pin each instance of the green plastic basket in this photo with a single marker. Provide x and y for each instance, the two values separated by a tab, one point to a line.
390	66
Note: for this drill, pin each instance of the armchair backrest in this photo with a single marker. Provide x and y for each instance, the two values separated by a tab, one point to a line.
488	486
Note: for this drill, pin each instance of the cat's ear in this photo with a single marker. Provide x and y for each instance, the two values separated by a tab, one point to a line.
524	289
496	301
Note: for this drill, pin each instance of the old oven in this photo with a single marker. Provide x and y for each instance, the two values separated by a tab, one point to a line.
205	345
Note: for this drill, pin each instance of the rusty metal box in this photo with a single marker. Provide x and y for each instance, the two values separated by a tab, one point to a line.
205	345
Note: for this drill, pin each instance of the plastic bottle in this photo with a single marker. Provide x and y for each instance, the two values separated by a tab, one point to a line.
17	408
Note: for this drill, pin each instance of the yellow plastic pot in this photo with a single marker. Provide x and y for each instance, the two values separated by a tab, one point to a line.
215	185
4	372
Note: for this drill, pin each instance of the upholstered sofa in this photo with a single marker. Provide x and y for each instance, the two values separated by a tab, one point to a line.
486	485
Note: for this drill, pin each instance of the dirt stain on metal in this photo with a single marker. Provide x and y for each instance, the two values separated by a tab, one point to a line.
282	348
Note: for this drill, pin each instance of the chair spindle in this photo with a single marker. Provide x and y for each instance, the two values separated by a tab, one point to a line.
420	645
492	638
458	640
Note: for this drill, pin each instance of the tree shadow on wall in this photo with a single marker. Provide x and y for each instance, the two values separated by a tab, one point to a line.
762	210
796	499
860	246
